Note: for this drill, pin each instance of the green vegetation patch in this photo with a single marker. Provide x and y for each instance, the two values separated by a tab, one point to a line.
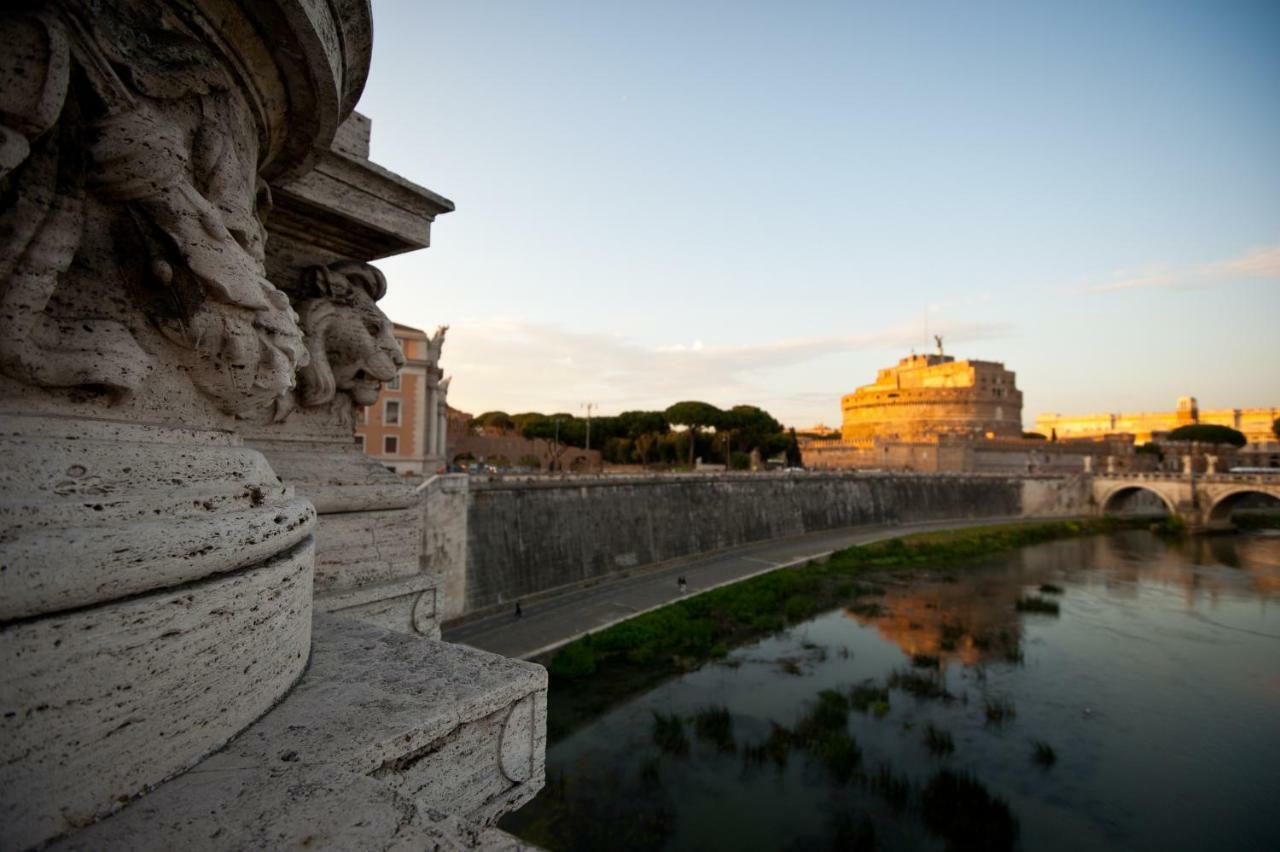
1035	603
828	715
867	696
895	789
775	748
1043	754
938	741
668	734
999	711
926	687
714	725
960	810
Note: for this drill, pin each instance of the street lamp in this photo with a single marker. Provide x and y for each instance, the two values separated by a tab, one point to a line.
589	406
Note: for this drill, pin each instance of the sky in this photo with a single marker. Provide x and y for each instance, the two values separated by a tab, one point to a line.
764	203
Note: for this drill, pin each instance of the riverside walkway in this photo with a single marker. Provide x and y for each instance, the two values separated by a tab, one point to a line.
555	619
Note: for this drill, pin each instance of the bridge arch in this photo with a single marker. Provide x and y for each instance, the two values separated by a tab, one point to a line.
1116	501
1226	504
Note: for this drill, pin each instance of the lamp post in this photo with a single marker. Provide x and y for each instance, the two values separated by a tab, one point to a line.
555	446
589	406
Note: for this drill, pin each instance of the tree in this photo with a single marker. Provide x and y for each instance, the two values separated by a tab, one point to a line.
794	458
522	421
499	420
1209	433
695	415
637	423
1275	427
645	444
754	429
616	449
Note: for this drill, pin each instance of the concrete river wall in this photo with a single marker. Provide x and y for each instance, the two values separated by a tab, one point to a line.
529	535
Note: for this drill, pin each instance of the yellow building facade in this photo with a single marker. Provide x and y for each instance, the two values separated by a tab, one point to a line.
1254	423
927	397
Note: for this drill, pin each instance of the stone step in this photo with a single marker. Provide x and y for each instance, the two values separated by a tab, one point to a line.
388	741
408	605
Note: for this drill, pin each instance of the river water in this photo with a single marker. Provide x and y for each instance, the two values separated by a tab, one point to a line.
1156	686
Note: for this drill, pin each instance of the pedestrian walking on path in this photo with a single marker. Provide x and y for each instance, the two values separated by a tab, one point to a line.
519	612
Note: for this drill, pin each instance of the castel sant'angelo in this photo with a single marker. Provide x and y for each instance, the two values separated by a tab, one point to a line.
929	396
934	413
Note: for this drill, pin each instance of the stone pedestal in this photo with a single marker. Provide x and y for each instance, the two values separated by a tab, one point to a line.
159	573
369	542
334	220
156	599
444	547
383	736
155	595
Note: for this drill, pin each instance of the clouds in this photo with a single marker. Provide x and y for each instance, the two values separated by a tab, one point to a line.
520	365
1260	263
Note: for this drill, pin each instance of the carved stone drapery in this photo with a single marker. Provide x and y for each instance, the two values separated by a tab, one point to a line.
132	163
157	591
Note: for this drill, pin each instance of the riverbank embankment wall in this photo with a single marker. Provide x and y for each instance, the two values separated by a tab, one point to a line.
526	536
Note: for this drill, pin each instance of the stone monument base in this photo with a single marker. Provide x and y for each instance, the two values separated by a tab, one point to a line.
388	741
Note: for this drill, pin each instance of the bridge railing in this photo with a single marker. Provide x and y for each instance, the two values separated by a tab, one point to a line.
1249	478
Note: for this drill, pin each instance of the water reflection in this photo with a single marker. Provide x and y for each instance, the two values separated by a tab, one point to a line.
1156	689
962	621
967	617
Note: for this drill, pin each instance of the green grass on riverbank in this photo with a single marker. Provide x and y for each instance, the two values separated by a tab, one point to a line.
590	674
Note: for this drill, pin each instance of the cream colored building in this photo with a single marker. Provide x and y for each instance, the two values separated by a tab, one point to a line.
406	428
926	397
1254	423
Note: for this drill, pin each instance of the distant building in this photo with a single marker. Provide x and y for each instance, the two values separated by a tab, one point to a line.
927	397
932	413
406	428
1145	426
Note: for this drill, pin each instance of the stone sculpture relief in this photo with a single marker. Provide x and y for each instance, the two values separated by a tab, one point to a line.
435	343
351	342
131	165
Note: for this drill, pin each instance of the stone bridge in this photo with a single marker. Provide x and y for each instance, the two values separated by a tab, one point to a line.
1204	501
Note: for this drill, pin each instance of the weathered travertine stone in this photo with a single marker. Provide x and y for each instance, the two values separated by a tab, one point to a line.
156	574
131	508
369	545
444	547
408	605
382	730
156	591
164	680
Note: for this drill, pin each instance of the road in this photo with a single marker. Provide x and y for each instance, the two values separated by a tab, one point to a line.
550	622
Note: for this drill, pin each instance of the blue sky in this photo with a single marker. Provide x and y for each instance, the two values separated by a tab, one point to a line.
765	202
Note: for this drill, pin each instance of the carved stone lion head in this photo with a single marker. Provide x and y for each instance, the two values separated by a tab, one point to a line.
351	342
